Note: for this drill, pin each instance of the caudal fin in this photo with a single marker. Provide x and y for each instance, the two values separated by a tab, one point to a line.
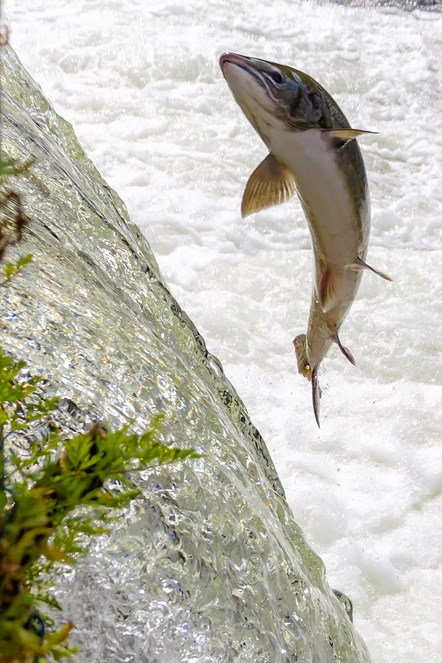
305	370
316	395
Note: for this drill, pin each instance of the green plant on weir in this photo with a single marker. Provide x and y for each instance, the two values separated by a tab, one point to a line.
42	528
13	218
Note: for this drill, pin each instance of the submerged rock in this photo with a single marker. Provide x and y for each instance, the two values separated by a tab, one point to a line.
208	564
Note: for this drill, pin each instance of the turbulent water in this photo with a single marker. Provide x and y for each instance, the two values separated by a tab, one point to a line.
141	84
207	565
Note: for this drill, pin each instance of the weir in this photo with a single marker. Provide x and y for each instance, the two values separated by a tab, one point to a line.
208	564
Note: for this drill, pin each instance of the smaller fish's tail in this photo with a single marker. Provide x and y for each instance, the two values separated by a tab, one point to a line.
301	356
316	395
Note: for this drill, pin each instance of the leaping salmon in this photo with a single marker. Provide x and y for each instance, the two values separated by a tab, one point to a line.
312	152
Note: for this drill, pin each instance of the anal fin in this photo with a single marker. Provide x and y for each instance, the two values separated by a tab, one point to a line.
271	183
360	265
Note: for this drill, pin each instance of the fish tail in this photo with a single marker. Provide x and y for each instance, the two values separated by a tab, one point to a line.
305	369
316	395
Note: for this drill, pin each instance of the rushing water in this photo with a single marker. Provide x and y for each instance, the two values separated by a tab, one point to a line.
141	84
207	564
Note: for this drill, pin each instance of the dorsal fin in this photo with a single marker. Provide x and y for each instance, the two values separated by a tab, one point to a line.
360	265
271	183
342	136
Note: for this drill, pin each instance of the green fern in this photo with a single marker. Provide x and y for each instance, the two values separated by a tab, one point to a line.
41	525
54	498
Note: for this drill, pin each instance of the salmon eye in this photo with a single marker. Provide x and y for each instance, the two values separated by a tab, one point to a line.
276	77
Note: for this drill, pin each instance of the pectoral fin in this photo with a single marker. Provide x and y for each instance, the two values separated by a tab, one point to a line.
329	288
360	264
271	183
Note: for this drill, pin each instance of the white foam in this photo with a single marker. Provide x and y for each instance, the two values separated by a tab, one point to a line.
141	84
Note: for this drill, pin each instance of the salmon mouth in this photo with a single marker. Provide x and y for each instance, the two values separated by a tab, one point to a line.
233	58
